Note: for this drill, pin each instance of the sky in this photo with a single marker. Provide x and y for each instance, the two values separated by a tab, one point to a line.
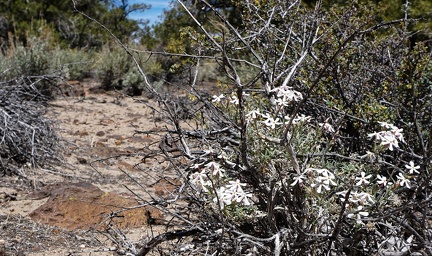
153	14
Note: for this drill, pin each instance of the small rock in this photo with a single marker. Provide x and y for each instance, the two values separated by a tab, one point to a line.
100	133
81	133
82	160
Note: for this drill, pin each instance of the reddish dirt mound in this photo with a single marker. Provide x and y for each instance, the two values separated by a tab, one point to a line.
84	206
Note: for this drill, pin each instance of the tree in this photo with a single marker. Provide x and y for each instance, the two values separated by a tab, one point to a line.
25	18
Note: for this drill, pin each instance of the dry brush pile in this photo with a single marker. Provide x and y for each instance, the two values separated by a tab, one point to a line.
27	137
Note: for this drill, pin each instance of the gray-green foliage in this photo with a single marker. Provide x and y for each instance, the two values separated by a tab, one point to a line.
40	58
115	68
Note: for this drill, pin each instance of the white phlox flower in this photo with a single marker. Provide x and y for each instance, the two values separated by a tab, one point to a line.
324	179
200	180
328	177
298	180
301	119
358	215
397	133
389	138
218	98
342	193
386	125
389	141
320	185
354	197
382	180
235	185
403	181
271	122
252	115
412	168
215	169
298	119
224	198
327	127
233	192
375	135
234	99
363	179
282	102
196	166
357	197
366	198
286	93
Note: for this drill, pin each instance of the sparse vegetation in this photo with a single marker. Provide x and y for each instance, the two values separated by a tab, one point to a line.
310	136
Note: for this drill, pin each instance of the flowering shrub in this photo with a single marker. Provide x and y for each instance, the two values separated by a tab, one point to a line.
297	160
349	195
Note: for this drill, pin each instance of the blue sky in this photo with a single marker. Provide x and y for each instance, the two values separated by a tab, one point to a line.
153	14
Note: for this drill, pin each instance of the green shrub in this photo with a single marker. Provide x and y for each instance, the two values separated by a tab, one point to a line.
116	69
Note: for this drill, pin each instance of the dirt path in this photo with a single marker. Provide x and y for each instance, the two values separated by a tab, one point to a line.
61	210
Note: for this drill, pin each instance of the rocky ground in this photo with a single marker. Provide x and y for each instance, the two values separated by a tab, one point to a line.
88	205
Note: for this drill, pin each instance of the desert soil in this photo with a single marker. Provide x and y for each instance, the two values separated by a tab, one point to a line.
78	207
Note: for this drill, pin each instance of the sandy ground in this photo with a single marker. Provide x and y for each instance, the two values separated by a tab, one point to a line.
62	210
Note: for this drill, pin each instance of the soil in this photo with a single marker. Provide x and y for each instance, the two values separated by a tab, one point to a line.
102	189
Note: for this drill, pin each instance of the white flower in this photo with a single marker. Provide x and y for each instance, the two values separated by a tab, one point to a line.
252	115
342	193
382	180
398	134
386	125
282	102
217	99
302	119
233	192
362	180
388	138
395	131
199	179
299	119
225	198
403	181
324	180
358	215
377	135
412	167
354	197
235	185
299	179
327	127
242	197
366	198
270	122
328	177
287	93
389	141
234	99
215	169
320	185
